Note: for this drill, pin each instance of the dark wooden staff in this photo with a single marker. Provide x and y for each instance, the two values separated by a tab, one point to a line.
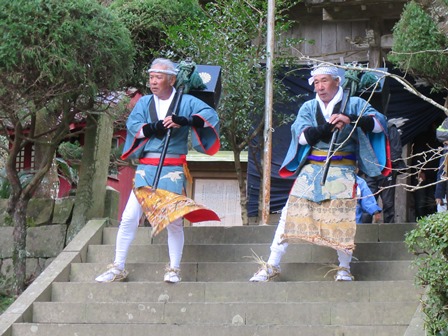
183	79
334	137
177	98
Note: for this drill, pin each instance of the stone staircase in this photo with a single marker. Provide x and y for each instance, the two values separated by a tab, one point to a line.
215	297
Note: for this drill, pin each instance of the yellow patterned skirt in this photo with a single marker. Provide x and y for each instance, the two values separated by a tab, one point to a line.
330	223
162	207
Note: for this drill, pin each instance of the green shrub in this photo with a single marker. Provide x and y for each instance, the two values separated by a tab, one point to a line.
5	302
25	177
70	151
429	242
5	187
148	20
419	44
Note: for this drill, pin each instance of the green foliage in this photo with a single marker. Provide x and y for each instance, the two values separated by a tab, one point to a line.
51	48
420	45
69	172
147	21
7	220
5	302
231	34
429	242
118	109
5	187
56	59
70	151
68	163
30	222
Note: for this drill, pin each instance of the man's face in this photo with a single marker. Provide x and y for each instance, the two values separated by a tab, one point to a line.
326	87
160	83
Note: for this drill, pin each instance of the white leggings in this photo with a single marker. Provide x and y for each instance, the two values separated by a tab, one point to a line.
128	227
278	249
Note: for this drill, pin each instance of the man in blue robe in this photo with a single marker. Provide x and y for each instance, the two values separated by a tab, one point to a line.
146	128
324	213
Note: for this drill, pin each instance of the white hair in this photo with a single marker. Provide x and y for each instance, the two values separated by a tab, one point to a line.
170	68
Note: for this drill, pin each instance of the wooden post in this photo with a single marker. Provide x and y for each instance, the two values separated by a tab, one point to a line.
375	54
265	186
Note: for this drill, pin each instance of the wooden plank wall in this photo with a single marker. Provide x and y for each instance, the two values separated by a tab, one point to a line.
329	41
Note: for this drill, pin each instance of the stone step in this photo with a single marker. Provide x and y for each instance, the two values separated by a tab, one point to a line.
216	298
245	252
256	234
212	292
145	329
252	314
242	271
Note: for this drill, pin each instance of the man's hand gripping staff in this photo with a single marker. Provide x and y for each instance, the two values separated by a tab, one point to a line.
345	98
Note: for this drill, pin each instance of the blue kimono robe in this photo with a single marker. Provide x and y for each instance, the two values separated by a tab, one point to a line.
325	214
366	201
204	140
369	149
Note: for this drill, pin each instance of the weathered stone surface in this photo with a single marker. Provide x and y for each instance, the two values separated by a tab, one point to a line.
111	203
7	268
6	276
6	242
42	241
39	290
63	208
312	308
46	241
40	211
3	203
33	269
91	190
4	217
48	261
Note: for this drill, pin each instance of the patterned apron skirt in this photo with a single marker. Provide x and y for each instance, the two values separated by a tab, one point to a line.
323	215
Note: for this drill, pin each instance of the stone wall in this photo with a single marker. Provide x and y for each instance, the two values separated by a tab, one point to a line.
48	221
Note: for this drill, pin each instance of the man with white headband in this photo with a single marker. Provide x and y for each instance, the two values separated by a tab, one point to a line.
324	70
146	127
324	213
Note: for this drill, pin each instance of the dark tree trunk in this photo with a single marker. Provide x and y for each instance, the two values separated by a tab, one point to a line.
49	186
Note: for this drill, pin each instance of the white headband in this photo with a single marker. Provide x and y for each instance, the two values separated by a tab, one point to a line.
323	70
168	72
